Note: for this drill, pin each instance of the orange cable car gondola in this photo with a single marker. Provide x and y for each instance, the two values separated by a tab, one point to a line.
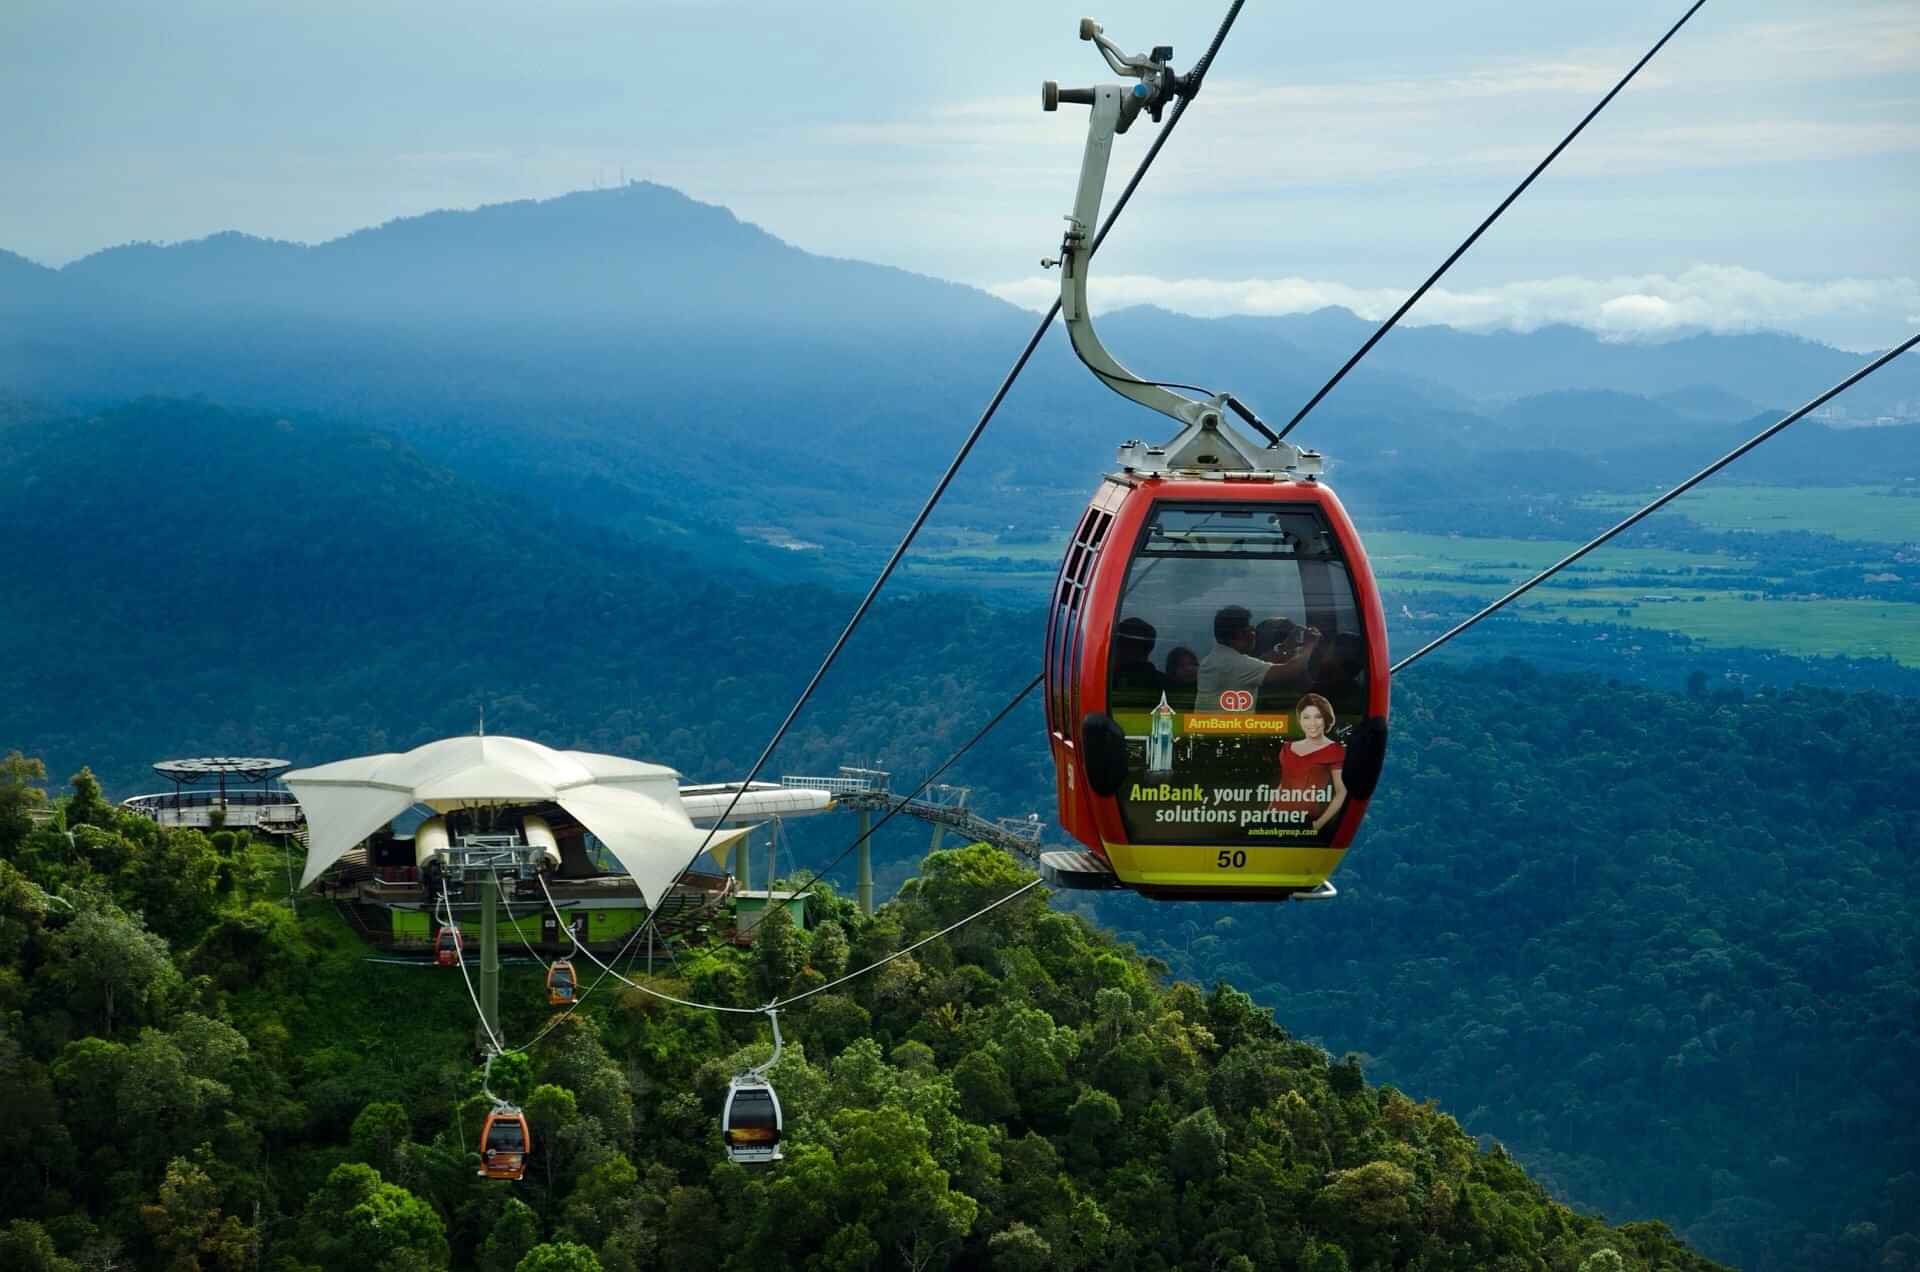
1216	652
561	984
505	1141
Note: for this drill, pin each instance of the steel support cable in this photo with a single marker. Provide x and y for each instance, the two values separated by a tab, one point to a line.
1661	502
460	958
781	1003
608	970
908	798
1625	524
901	804
1194	78
991	906
1474	237
502	894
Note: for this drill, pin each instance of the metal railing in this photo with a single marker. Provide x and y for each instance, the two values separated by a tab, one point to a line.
267	809
837	785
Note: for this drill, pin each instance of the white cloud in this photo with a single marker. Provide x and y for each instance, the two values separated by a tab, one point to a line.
1854	312
1726	93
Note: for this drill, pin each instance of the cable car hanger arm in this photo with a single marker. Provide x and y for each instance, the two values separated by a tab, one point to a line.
1113	109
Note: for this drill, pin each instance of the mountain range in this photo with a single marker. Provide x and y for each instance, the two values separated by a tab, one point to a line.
645	257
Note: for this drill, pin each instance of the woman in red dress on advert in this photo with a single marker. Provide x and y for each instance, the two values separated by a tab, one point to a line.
1310	780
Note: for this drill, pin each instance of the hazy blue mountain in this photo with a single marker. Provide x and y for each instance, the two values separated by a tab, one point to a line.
1775	371
636	358
185	576
22	279
641	253
1701	402
1586	420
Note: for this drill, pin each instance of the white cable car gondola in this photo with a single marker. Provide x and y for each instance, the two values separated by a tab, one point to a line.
751	1122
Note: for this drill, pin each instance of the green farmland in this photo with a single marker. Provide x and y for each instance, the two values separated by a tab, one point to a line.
1872	514
1708	597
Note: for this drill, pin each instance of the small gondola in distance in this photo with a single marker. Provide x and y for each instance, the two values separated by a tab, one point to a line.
751	1121
561	983
505	1141
447	946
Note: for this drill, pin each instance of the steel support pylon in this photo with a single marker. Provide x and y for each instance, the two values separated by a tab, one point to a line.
490	953
864	889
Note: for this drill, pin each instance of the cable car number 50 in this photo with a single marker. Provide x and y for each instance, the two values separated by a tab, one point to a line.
1232	859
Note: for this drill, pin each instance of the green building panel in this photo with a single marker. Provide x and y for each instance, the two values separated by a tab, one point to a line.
607	925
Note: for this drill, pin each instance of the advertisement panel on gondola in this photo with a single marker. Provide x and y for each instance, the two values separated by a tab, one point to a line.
1234	715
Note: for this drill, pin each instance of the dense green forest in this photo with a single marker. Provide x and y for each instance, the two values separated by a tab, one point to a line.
197	1078
1664	945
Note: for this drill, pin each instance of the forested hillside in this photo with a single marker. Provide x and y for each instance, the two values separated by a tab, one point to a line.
1663	945
196	1078
189	580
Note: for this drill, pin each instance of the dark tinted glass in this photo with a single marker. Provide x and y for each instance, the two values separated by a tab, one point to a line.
752	1111
1237	667
504	1136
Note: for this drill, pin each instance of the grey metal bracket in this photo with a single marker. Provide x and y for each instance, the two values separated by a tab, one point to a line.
1205	442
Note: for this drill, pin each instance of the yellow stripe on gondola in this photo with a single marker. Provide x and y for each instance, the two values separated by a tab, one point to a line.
1199	865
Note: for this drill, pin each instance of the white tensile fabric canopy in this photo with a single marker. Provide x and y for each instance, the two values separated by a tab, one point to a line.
634	808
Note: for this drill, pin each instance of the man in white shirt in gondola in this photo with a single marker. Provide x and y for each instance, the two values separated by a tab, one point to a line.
1230	664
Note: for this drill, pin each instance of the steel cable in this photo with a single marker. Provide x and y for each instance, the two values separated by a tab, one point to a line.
1474	237
1659	503
966	448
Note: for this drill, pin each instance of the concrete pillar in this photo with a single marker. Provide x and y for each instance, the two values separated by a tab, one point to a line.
864	890
490	954
939	836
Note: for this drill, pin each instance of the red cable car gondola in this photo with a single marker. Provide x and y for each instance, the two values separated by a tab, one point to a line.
505	1141
447	946
1216	657
1216	685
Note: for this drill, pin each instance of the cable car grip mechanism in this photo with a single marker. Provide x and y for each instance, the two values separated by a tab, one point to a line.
1205	442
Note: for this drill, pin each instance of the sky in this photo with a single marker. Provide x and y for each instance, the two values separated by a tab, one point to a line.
1762	172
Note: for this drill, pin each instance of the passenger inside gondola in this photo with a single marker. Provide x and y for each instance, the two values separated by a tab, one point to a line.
504	1136
1183	677
1137	683
1339	669
1231	663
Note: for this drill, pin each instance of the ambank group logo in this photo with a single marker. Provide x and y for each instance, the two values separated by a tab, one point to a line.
1236	700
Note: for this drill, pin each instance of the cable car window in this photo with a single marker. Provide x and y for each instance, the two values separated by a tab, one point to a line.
1238	667
751	1118
504	1136
1063	646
